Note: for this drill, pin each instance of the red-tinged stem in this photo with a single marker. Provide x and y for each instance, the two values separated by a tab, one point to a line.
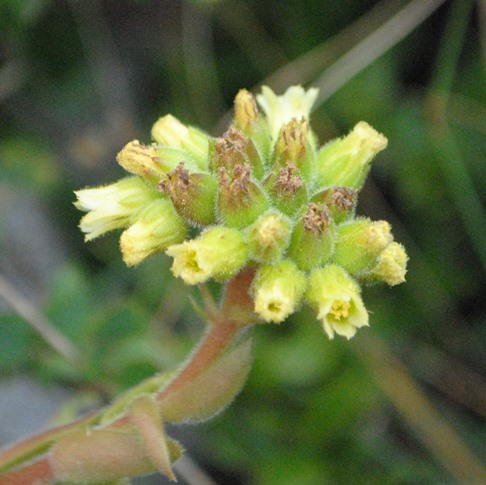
220	335
34	473
38	443
223	329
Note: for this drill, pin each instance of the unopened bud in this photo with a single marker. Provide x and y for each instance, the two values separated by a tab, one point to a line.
156	227
336	298
391	266
313	238
193	194
141	160
269	236
246	111
359	243
278	290
219	253
347	161
170	132
112	206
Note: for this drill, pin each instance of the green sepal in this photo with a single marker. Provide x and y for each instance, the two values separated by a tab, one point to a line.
313	238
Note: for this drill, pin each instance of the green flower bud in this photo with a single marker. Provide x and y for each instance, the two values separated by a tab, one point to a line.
112	206
336	298
240	200
359	243
391	266
193	194
141	160
278	290
219	252
269	236
293	147
169	131
347	161
295	103
156	227
312	241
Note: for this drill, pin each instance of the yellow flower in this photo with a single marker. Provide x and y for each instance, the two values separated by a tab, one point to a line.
336	298
295	103
346	161
219	253
278	291
391	266
156	227
169	131
112	206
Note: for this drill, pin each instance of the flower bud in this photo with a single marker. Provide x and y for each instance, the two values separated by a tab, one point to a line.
278	290
193	194
112	206
156	227
219	253
246	111
249	121
312	241
141	160
269	236
336	298
240	200
295	103
391	266
347	161
359	243
169	131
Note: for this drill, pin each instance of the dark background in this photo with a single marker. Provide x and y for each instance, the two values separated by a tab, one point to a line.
402	403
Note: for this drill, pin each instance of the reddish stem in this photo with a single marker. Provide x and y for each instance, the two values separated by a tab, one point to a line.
220	335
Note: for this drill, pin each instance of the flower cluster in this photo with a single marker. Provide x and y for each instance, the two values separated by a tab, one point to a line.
264	194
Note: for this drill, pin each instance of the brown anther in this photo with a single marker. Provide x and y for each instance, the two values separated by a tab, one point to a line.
317	219
292	140
342	198
232	139
287	180
177	182
230	148
237	185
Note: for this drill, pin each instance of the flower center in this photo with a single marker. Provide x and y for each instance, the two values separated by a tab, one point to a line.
340	309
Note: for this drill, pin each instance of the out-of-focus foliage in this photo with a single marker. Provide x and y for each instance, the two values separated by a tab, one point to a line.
79	79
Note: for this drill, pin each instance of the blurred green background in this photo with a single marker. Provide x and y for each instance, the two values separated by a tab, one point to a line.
402	403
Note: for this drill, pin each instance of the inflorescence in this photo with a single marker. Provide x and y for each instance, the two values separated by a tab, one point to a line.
265	195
